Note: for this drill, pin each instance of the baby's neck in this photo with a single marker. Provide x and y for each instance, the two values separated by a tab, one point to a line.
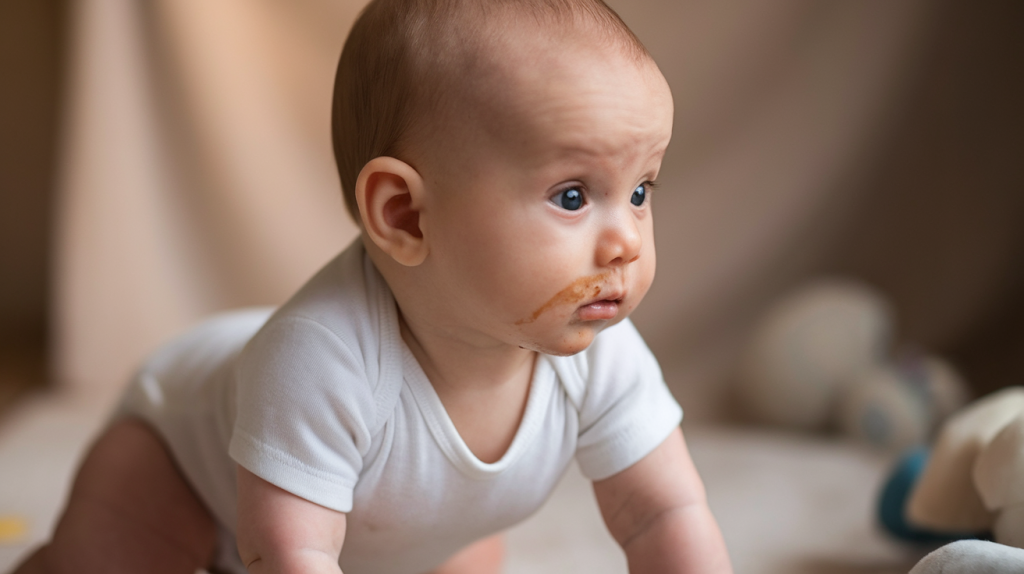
455	365
483	389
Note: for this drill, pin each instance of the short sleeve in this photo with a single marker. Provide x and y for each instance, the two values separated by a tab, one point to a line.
304	411
626	409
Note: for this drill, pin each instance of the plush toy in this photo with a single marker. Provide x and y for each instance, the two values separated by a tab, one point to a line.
972	557
974	479
822	357
999	477
893	502
897	405
971	484
807	347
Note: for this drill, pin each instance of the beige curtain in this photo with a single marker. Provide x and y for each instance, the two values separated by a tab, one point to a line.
198	176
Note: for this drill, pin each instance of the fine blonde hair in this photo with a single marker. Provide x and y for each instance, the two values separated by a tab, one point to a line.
402	59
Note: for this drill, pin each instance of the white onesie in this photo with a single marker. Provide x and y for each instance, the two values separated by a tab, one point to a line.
324	400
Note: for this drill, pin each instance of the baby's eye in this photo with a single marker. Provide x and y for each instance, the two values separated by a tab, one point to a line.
639	195
570	199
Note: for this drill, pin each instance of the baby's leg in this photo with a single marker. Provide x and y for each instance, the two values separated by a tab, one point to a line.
482	557
130	511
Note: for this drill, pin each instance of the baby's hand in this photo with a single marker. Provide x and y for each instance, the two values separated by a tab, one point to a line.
281	533
657	511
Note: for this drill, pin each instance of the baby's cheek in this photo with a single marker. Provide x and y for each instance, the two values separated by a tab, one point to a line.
643	282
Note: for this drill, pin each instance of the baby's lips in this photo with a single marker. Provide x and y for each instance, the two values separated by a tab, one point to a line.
607	294
600	310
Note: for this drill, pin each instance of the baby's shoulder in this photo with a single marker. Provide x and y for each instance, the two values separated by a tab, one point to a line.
337	335
346	305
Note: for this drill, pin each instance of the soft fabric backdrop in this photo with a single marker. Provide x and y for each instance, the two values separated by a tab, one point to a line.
197	171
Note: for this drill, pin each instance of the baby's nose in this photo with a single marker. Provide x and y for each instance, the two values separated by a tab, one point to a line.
620	242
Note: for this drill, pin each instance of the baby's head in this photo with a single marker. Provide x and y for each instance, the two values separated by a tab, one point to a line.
408	64
499	155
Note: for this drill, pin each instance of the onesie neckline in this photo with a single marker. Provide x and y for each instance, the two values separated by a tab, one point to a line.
447	436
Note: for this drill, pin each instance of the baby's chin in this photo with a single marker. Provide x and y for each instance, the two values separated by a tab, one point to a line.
572	341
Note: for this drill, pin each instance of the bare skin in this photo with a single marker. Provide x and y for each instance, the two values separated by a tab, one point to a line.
131	511
577	292
658	513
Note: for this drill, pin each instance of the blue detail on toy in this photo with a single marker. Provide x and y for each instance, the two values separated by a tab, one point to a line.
893	501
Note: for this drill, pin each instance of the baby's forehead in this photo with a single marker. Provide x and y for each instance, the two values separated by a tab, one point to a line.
574	104
524	72
492	79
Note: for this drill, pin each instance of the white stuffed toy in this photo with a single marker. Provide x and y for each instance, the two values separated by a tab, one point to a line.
822	356
974	481
807	347
972	557
897	405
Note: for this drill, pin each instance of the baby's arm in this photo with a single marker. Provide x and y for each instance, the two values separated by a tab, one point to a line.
657	511
281	533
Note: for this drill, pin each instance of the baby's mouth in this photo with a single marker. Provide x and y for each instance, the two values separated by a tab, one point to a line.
601	310
584	289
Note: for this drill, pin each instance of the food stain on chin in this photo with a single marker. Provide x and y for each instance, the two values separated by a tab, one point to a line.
578	291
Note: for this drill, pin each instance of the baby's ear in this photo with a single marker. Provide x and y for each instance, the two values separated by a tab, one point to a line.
389	193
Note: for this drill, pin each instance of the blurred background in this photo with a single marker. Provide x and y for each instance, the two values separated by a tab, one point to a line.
163	160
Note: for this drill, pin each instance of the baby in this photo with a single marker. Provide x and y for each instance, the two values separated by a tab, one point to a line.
428	388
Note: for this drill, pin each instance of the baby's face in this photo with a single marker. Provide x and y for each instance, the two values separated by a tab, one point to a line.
541	230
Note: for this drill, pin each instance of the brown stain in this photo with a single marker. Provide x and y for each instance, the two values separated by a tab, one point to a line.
578	291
